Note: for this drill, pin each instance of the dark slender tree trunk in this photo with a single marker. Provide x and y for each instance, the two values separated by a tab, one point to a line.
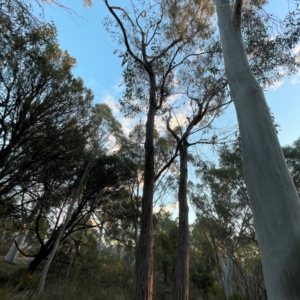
144	255
44	251
42	254
181	276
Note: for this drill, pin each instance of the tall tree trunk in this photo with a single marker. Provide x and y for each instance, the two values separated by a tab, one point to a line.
273	197
144	254
181	275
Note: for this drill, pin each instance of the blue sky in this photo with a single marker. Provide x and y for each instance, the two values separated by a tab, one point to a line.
83	35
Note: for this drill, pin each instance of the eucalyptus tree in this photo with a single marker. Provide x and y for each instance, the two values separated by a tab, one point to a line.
165	241
63	227
105	131
132	148
58	191
274	199
202	261
207	104
226	217
43	108
43	114
157	37
204	81
105	182
123	216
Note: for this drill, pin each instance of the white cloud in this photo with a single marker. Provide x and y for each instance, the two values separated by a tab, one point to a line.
168	208
296	78
297	49
127	124
276	85
174	97
111	102
175	82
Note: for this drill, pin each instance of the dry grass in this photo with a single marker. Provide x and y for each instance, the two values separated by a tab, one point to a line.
17	284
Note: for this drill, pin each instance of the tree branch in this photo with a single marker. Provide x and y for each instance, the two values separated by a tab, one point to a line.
16	244
163	52
111	9
237	14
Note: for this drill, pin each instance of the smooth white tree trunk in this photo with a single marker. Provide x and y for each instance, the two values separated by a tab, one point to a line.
100	239
273	197
61	230
13	252
227	273
228	277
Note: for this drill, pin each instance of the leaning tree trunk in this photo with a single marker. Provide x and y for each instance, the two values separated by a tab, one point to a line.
144	255
62	229
13	252
19	241
181	275
227	271
273	197
228	276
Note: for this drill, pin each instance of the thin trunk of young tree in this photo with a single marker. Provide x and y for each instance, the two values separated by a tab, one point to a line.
62	230
181	275
228	277
100	238
19	241
227	272
144	254
273	197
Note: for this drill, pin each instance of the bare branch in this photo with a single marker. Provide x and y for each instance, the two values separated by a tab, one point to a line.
24	254
237	14
171	130
163	52
111	9
166	166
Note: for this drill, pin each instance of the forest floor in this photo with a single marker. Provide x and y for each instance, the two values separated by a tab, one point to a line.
17	284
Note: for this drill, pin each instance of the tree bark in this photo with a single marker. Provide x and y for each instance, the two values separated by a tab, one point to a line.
42	254
144	256
273	197
228	277
226	271
181	275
